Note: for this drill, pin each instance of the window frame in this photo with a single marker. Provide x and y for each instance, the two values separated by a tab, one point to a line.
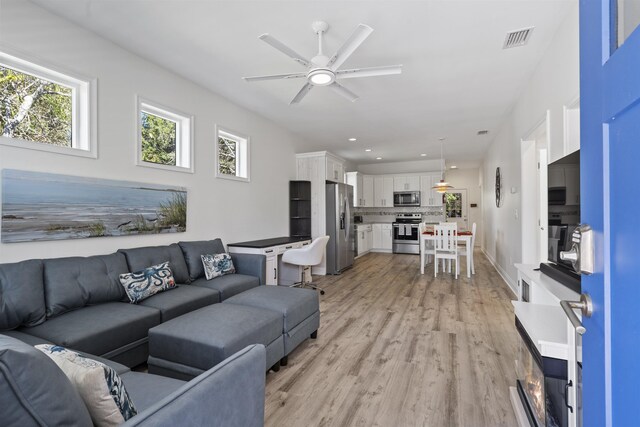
243	144
184	133
83	104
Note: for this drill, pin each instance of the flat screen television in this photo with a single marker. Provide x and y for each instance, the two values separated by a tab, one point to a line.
563	178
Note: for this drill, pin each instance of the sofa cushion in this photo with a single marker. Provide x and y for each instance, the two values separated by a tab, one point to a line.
74	282
34	391
99	386
143	284
21	294
98	329
141	258
181	300
192	252
229	285
147	389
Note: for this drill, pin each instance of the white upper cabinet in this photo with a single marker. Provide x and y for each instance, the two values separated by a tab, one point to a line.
367	191
335	169
406	183
383	191
355	179
428	196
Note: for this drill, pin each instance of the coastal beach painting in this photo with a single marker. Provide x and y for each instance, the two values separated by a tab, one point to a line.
42	206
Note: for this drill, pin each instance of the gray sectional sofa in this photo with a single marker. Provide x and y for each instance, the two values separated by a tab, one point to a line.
79	303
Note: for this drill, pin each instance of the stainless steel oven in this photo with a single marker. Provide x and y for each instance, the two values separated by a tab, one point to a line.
406	198
406	235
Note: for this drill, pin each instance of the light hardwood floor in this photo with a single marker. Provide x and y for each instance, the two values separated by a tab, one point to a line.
397	348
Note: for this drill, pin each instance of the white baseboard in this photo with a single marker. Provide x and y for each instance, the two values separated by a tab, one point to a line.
505	276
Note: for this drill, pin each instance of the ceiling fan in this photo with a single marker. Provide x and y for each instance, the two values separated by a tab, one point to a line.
324	70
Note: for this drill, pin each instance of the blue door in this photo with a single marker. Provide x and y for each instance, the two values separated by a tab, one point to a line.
610	189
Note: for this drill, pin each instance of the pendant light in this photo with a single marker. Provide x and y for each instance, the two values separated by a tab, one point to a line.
442	186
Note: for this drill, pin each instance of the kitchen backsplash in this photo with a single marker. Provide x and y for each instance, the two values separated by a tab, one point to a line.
430	214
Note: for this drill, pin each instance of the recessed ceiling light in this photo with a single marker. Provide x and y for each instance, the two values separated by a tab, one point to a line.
423	155
378	158
368	150
454	167
352	139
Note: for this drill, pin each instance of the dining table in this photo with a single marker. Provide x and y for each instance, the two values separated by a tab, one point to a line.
462	236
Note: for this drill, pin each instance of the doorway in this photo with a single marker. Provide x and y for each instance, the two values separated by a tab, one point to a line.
456	207
533	207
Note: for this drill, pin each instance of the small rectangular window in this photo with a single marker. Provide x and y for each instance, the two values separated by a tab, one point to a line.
44	109
232	155
164	138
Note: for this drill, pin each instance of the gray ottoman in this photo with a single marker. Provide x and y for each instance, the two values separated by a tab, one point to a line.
300	310
188	345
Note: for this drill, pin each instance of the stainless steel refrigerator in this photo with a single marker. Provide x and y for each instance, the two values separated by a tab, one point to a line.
340	229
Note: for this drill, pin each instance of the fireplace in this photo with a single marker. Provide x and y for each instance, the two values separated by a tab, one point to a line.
542	384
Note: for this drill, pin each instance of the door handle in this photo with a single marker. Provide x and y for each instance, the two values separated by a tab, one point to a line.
585	305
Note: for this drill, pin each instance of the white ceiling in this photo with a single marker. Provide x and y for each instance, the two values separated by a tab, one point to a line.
456	79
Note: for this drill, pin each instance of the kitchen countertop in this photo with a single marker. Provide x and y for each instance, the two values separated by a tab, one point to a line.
265	243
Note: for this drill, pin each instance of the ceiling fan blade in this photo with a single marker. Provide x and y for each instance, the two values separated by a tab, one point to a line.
275	77
269	39
369	72
303	92
343	91
344	52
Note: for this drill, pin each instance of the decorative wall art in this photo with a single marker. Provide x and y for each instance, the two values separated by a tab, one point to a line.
43	206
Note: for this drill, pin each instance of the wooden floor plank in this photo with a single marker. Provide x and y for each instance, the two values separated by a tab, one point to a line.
397	348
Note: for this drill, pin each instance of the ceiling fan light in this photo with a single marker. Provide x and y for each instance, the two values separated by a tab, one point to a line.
321	77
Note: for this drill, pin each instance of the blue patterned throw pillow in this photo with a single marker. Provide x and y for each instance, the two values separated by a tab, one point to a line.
99	386
217	265
143	284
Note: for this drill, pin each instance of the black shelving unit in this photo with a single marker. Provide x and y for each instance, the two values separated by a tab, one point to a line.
300	209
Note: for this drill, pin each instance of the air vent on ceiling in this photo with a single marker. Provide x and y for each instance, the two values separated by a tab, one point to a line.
483	132
517	38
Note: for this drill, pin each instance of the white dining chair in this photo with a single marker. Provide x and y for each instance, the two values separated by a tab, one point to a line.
426	249
446	246
464	250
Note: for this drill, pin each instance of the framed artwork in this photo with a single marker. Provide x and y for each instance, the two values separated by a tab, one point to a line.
43	206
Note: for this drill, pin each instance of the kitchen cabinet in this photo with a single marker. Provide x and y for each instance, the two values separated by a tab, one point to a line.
382	236
428	196
367	191
365	237
572	183
335	169
383	191
363	194
406	183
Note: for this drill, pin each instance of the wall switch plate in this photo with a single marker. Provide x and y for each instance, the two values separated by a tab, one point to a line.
516	213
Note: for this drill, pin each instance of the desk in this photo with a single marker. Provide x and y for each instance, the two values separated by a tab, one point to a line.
278	273
463	236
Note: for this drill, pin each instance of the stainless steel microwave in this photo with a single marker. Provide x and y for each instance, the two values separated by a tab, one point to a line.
406	198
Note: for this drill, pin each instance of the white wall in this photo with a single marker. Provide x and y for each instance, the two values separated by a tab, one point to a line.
231	210
469	179
554	83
